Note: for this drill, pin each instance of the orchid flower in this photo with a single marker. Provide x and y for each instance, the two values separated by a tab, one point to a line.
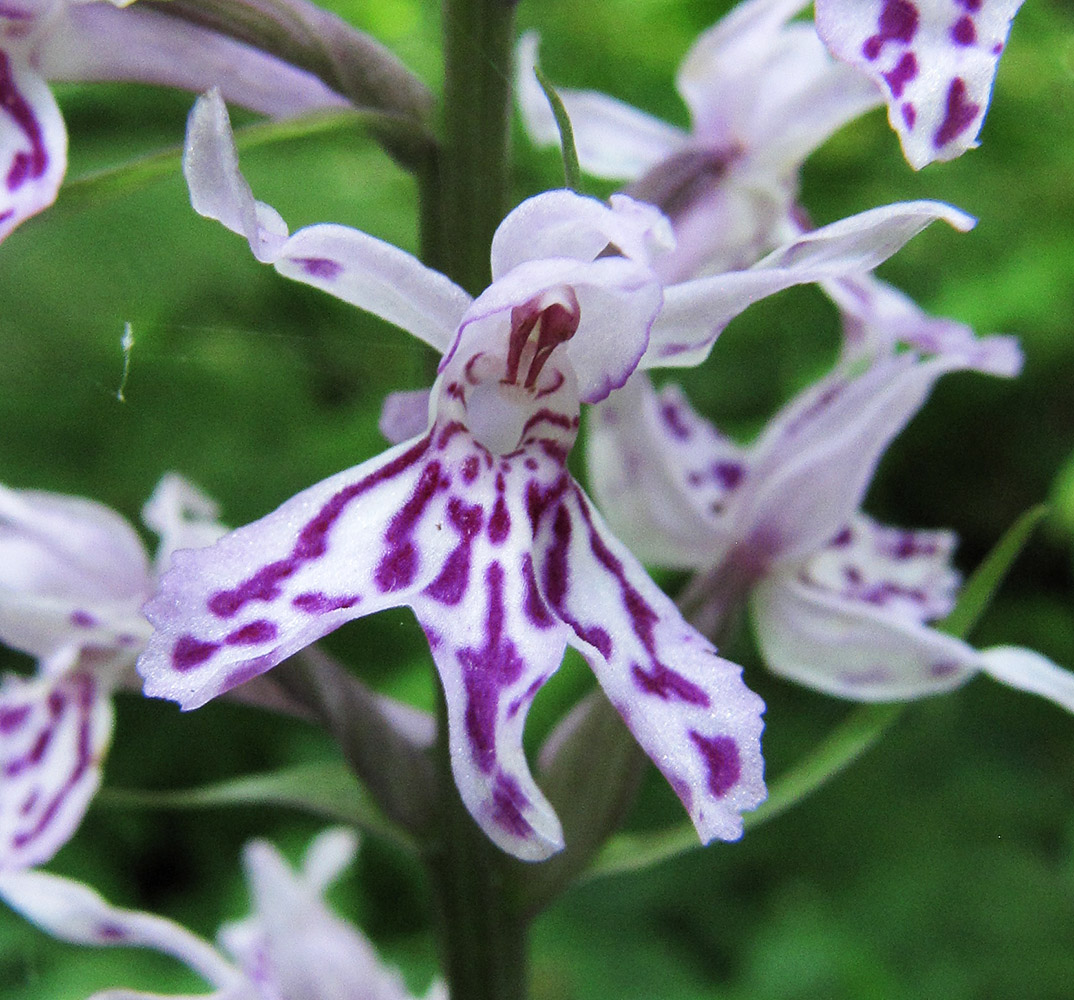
762	94
475	523
92	40
936	61
838	602
292	946
73	576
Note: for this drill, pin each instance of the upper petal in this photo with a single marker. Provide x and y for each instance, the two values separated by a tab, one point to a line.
182	516
349	264
848	647
358	542
696	311
687	707
54	733
935	60
33	144
613	139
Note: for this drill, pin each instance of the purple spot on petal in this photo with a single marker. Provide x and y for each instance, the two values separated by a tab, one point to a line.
722	760
470	469
320	267
672	417
973	6
903	72
909	114
82	619
508	801
12	719
252	634
486	671
318	603
963	32
959	115
996	50
190	653
532	604
500	522
668	685
897	23
728	475
945	668
110	932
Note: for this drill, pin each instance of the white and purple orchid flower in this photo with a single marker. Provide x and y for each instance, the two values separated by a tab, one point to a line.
838	602
935	60
292	945
95	40
762	94
73	577
475	523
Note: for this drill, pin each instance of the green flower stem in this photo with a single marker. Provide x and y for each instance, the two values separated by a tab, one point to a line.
475	161
482	931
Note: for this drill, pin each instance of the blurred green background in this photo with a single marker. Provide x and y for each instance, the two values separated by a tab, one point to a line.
940	865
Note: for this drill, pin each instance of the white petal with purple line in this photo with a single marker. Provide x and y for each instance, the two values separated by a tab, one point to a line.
33	144
935	60
688	708
349	264
53	736
695	312
851	648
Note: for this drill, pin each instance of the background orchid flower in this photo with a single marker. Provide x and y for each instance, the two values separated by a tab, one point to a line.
73	576
838	602
92	40
476	524
935	60
292	945
762	94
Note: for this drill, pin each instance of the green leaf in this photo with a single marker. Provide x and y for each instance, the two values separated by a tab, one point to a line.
326	789
860	730
92	188
983	583
571	168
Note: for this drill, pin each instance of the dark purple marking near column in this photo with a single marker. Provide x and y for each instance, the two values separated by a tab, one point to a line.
448	431
312	542
901	73
898	22
539	501
12	718
668	685
486	671
722	761
399	564
316	602
453	581
320	267
253	634
508	801
500	521
964	31
191	652
470	469
547	416
554	386
959	115
909	114
671	414
842	539
24	166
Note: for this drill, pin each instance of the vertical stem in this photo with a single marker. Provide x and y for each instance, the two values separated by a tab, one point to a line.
475	165
482	932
